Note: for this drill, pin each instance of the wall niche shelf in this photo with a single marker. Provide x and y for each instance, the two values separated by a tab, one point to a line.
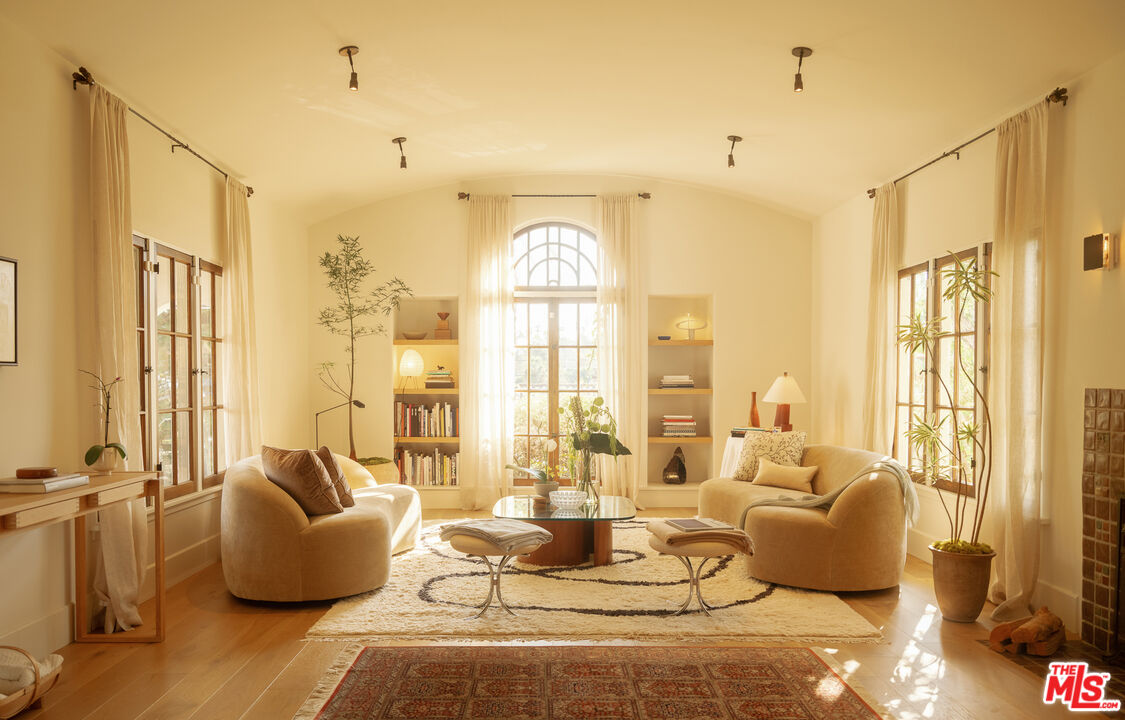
680	391
404	341
697	440
681	343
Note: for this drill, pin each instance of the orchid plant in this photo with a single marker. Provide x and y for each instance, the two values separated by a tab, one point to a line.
105	393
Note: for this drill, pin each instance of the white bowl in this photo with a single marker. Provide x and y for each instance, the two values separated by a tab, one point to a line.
568	499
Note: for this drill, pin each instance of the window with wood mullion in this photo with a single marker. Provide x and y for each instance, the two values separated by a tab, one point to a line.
211	401
911	396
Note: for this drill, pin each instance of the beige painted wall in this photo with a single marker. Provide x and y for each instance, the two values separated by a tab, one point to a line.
949	206
753	261
45	415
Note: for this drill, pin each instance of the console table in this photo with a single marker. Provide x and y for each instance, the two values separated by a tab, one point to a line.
21	511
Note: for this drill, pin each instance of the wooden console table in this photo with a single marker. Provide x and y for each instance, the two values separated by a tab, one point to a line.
20	511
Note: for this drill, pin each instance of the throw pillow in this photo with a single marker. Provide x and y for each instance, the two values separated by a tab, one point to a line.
783	476
785	448
336	473
301	474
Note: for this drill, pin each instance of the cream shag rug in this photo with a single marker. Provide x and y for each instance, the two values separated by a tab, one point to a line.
433	589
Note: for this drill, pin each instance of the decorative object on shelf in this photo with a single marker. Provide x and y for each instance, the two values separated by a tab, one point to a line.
754	421
568	499
1099	252
592	431
104	457
784	392
663	337
355	403
439	378
347	272
414	335
442	331
410	364
691	324
962	563
36	473
675	472
9	339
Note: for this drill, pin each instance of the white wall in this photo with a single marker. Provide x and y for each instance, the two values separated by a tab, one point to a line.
753	261
45	411
949	207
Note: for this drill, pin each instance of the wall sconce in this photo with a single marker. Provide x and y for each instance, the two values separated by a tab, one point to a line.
1099	252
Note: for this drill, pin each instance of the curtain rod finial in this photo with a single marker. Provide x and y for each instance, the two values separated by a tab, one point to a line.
870	192
1058	95
645	196
462	196
249	191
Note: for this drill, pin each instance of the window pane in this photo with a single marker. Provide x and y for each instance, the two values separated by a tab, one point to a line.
539	370
216	303
945	370
183	447
967	362
903	357
539	329
164	295
164	438
205	304
519	449
568	324
587	325
206	378
139	279
183	298
521	324
588	368
921	296
220	435
163	371
918	393
568	369
902	444
208	443
142	377
519	413
969	316
537	455
183	372
948	305
520	368
538	409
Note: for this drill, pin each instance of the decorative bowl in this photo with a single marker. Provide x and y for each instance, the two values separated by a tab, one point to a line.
663	337
568	499
415	335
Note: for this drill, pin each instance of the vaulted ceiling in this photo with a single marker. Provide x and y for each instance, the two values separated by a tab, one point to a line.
625	87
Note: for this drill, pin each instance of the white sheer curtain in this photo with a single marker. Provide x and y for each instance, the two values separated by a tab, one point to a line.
486	339
1016	387
621	335
124	528
242	423
882	321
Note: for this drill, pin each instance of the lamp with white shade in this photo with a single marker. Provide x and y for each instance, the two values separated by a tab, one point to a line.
784	392
410	365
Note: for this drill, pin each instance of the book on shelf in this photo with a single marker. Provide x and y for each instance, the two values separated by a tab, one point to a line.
740	432
43	485
433	469
687	418
677	381
418	420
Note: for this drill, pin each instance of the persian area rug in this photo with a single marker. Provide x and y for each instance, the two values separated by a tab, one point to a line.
433	588
604	682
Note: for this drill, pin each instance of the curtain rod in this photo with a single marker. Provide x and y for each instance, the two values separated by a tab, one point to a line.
83	77
642	195
1058	95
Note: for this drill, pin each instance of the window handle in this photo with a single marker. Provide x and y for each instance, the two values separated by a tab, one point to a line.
148	369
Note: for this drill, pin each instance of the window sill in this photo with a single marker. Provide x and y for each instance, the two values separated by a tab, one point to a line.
189	501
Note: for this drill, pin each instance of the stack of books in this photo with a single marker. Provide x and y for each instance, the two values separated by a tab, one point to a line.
740	432
679	425
43	485
433	469
439	378
677	381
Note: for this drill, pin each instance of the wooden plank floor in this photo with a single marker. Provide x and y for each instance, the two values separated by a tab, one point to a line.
228	659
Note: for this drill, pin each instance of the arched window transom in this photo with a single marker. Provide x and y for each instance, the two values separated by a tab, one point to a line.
555	255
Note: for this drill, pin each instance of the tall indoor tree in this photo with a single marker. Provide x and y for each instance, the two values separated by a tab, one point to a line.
354	314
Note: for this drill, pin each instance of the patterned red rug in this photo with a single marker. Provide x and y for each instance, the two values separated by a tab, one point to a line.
603	682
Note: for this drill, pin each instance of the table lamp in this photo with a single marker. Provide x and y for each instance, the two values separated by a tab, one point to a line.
410	365
784	392
691	324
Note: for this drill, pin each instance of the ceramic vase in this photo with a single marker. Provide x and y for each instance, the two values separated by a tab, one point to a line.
107	461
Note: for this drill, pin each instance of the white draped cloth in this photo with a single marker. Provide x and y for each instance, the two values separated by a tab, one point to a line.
1016	387
882	323
486	337
239	376
621	338
123	546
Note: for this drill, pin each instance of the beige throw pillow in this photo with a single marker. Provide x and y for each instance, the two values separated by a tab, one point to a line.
336	473
783	476
785	448
301	474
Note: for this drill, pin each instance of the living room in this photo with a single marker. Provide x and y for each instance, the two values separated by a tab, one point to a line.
757	259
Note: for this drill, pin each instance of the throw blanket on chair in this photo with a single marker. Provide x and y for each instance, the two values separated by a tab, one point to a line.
909	494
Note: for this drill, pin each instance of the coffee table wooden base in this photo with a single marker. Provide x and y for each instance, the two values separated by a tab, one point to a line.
576	541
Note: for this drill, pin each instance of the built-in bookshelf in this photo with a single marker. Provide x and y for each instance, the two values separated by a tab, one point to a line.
426	420
680	390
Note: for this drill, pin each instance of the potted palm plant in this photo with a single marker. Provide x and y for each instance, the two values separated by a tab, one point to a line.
955	449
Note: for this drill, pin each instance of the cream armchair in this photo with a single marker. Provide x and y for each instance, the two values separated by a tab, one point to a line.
272	551
858	544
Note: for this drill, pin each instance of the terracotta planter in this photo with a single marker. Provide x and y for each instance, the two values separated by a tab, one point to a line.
961	583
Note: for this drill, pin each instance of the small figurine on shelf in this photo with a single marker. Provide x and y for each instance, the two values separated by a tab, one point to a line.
675	472
442	332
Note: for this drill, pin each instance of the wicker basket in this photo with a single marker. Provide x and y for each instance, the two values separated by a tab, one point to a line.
21	700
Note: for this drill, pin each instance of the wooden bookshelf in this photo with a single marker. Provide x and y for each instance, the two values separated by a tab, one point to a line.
697	440
404	341
429	391
426	440
680	391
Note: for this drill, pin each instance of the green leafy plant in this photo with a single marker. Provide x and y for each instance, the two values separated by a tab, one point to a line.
952	448
105	394
592	431
347	272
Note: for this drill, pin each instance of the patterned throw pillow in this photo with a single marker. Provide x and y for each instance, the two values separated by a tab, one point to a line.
785	448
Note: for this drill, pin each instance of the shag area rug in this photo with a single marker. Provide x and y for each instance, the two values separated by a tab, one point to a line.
433	588
557	682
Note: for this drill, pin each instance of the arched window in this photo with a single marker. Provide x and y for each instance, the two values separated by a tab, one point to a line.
556	354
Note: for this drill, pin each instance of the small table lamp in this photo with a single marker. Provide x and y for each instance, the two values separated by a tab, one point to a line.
784	392
691	324
410	365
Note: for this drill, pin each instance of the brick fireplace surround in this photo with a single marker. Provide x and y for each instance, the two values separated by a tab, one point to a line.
1103	489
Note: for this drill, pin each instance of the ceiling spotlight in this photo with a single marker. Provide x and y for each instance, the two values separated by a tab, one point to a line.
350	50
801	53
399	141
730	156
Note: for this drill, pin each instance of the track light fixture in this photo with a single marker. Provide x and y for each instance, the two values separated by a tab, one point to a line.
730	156
801	53
350	50
399	141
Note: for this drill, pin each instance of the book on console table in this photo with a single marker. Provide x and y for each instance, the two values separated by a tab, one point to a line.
44	485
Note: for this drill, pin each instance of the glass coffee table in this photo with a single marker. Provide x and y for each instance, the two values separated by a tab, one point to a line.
580	535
